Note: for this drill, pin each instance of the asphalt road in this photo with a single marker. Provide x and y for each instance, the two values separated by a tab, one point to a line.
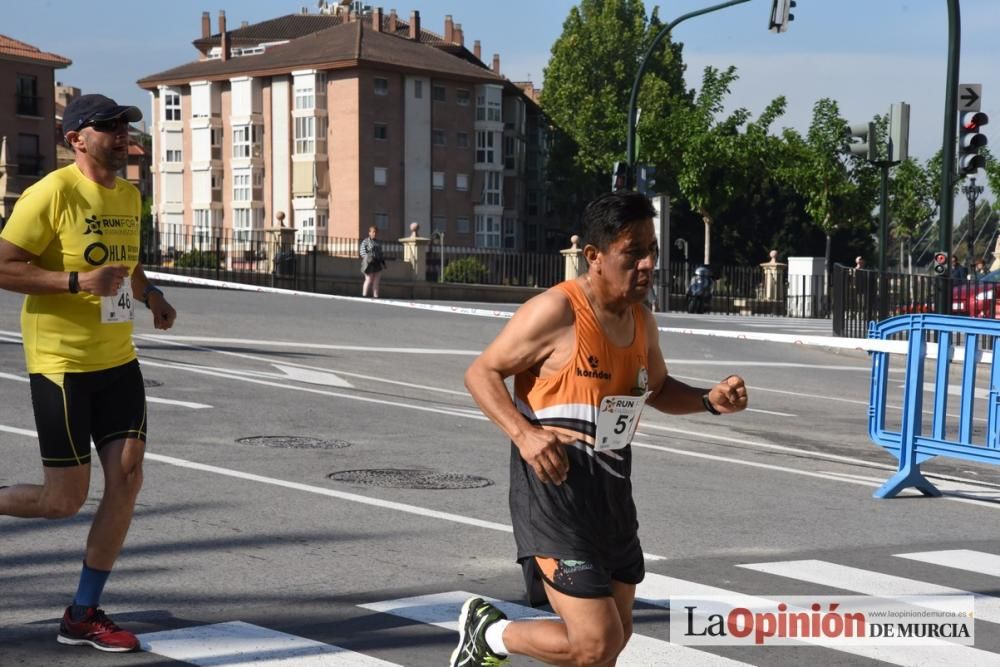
256	400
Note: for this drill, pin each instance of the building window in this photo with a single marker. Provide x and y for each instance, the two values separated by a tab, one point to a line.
241	224
437	180
171	106
27	95
382	221
484	147
305	135
461	182
418	89
29	159
304	93
173	156
532	202
381	131
439	223
381	86
508	152
462	225
462	139
438	93
462	97
492	188
216	180
381	175
437	137
241	186
241	141
487	109
487	231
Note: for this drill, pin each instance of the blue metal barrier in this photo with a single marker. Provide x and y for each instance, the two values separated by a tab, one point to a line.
909	444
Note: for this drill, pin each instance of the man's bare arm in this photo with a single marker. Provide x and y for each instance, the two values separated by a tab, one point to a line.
19	273
526	342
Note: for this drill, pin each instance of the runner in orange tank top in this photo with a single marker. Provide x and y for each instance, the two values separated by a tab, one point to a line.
586	360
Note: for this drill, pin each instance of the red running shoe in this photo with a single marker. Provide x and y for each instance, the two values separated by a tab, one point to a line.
96	630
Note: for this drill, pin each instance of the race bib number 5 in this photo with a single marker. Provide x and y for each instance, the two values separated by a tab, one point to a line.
617	420
118	308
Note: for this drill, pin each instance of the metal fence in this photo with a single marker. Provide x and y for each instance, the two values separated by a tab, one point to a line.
494	266
746	290
862	296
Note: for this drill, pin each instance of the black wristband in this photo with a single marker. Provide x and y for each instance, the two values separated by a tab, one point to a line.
150	288
74	282
708	405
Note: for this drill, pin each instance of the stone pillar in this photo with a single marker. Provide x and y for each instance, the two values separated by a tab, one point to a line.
415	253
574	262
774	278
281	255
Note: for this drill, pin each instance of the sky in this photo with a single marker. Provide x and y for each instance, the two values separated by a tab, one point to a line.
865	54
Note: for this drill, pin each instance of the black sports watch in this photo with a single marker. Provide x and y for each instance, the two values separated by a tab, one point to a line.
74	282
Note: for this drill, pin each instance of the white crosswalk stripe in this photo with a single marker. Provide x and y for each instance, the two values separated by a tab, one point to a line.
656	589
867	582
442	610
239	644
959	559
236	644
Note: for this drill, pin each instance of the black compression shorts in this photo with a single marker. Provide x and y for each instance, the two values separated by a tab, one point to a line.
73	408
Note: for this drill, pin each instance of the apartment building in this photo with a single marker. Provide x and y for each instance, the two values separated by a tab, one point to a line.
341	121
27	117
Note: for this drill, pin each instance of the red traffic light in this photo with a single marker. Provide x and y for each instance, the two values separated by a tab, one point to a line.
973	120
940	262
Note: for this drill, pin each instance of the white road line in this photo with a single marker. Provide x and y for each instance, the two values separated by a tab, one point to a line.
313	346
149	399
656	590
442	610
238	644
340	495
868	582
960	559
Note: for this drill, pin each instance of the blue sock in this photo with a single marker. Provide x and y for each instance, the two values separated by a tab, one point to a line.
88	594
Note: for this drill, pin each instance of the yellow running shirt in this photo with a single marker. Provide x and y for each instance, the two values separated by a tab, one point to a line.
74	224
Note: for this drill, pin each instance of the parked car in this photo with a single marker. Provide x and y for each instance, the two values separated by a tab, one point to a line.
978	297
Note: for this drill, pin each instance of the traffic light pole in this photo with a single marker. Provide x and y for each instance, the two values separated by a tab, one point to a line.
947	202
634	97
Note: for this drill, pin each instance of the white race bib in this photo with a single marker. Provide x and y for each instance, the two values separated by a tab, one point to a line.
118	308
617	420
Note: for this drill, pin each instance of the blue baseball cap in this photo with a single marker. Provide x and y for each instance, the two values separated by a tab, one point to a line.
85	108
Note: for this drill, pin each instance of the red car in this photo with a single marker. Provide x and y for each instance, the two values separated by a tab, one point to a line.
977	298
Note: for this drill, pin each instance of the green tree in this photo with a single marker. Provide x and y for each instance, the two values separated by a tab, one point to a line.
718	158
912	200
588	82
840	190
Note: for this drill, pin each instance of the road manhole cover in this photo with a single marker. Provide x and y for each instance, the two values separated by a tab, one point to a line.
292	442
397	478
148	382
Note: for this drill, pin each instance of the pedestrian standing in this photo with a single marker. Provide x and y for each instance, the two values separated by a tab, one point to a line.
372	263
72	246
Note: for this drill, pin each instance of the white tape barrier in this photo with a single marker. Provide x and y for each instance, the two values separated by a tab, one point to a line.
861	344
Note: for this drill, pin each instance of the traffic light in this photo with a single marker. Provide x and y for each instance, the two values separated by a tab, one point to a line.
970	140
780	15
645	179
619	177
940	263
865	147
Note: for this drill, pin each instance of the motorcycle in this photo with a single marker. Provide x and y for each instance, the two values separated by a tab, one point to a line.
699	292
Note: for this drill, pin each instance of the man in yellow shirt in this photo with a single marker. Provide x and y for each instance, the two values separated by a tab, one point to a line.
72	246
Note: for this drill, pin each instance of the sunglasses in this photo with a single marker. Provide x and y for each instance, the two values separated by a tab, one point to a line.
111	125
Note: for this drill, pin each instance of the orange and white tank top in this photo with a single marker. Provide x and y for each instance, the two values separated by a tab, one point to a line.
598	395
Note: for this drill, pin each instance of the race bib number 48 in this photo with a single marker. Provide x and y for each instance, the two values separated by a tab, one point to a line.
617	420
118	308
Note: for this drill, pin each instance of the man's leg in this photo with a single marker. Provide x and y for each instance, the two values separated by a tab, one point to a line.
122	463
590	632
367	285
376	279
60	496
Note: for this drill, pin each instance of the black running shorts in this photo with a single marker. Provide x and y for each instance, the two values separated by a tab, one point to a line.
584	578
73	408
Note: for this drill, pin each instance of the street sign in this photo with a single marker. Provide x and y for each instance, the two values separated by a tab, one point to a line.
969	96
